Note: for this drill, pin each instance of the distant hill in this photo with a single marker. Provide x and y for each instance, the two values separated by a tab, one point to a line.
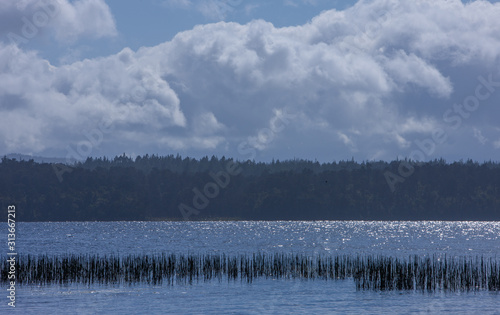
176	188
39	159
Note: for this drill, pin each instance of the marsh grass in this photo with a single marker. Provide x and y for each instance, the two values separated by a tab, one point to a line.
368	272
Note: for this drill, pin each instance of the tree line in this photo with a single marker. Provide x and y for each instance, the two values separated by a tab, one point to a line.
176	188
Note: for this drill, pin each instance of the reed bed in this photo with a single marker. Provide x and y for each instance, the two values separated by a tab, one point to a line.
368	272
417	273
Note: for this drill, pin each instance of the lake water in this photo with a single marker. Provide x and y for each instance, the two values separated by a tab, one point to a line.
399	239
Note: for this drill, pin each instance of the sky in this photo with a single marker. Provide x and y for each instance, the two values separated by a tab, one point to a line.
259	80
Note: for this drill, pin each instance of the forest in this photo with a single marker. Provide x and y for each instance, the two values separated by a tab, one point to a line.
176	188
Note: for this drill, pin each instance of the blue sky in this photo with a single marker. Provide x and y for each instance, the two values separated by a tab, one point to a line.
142	23
162	20
314	79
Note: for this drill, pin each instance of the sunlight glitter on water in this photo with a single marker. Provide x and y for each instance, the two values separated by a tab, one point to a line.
398	239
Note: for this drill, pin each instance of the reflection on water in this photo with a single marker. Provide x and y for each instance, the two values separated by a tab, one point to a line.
269	296
319	237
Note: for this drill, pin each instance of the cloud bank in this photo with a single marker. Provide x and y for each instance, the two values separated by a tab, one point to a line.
373	81
62	20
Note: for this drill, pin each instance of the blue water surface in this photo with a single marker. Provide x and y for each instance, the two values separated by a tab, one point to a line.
268	296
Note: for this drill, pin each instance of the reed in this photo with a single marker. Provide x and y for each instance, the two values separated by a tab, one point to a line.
368	272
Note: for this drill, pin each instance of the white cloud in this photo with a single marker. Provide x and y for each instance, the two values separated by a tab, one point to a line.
22	21
412	69
496	144
206	124
250	8
90	18
479	136
64	101
423	126
345	139
373	77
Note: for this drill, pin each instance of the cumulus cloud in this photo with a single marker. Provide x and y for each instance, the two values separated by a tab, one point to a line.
370	79
21	21
51	104
412	69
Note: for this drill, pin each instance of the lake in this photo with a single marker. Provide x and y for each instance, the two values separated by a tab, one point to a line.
263	295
